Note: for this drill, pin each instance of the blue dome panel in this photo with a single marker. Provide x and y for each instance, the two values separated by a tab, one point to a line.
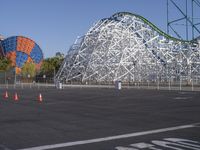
9	44
21	58
36	54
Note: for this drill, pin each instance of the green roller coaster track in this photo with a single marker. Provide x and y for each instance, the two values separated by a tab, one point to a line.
154	27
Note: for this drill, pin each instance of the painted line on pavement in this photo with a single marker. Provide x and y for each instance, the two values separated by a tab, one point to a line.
182	98
110	138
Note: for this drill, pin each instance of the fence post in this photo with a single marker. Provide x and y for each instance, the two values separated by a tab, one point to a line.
158	84
169	83
192	85
180	83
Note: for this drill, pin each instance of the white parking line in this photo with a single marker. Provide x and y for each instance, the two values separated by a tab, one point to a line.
182	98
68	144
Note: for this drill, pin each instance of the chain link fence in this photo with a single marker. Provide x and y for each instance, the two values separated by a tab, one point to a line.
10	80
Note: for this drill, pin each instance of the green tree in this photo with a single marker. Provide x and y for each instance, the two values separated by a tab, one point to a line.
60	55
28	69
50	65
5	64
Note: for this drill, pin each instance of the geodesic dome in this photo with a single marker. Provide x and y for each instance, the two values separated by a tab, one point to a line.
20	50
129	48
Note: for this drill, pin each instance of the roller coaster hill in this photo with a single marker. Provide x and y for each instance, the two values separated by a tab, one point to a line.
127	47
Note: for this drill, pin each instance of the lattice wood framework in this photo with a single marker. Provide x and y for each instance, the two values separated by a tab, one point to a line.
129	48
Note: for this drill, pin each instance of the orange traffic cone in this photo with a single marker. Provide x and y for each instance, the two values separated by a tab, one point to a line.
6	95
16	98
40	98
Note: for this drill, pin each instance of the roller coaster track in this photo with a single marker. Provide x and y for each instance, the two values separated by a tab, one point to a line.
129	48
154	27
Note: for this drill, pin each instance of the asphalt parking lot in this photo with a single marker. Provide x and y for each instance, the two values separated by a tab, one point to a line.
99	119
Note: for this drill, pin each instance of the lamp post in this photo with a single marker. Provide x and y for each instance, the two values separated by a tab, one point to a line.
29	79
54	73
6	83
15	78
44	77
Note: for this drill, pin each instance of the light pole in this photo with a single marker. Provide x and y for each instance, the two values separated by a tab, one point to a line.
44	77
54	73
29	79
6	83
15	78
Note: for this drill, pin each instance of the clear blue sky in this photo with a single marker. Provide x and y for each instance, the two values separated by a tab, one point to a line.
55	24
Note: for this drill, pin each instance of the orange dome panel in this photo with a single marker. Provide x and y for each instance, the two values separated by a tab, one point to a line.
12	57
25	45
29	60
